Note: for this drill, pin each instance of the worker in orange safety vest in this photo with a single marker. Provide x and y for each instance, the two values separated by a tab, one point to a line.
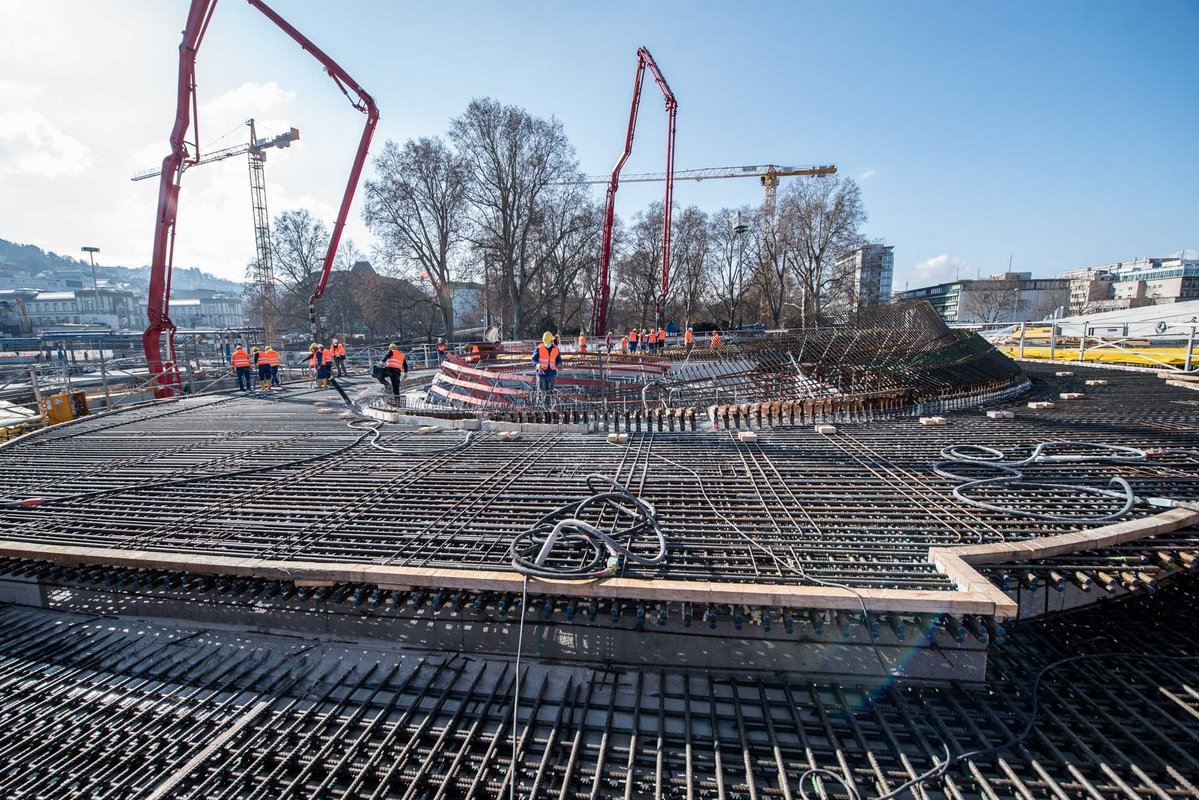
651	340
633	338
441	349
272	363
240	361
547	359
582	341
395	367
337	351
320	361
716	340
689	340
624	344
661	338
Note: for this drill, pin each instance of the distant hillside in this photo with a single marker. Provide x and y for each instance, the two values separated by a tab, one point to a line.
26	258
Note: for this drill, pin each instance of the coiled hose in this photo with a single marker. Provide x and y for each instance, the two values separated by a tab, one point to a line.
538	550
1011	476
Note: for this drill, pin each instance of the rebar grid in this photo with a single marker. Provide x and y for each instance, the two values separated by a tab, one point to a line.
276	478
898	356
98	709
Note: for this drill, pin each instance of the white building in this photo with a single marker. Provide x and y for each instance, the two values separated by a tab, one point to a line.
1129	284
103	306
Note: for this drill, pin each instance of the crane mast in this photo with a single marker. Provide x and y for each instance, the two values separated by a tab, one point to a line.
645	61
263	274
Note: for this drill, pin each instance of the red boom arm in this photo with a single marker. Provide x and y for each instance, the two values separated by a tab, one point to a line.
600	315
165	372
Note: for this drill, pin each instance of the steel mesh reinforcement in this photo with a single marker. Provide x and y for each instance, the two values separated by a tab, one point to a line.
98	708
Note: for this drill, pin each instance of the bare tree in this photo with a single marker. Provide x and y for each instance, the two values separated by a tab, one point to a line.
639	271
298	245
768	249
417	208
689	279
515	160
729	276
820	219
569	231
989	301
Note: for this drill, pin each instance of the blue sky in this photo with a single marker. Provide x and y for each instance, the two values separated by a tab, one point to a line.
1062	134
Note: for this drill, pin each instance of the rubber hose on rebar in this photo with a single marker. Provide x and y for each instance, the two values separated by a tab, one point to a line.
976	455
564	529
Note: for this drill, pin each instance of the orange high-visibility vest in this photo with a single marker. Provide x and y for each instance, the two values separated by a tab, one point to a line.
547	357
633	336
441	347
662	335
651	337
395	359
338	349
317	358
241	358
624	343
716	339
688	337
270	356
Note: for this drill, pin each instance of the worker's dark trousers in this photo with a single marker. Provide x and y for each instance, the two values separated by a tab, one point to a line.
632	347
275	375
244	379
392	374
341	366
264	372
545	382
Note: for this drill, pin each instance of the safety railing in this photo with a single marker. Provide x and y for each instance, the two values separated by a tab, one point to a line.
1156	343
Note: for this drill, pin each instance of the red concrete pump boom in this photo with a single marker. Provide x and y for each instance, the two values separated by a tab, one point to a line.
164	370
600	315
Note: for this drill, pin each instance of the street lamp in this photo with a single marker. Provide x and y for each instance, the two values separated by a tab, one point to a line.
91	254
740	228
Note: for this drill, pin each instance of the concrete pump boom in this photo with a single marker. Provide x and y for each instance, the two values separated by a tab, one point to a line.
164	370
599	316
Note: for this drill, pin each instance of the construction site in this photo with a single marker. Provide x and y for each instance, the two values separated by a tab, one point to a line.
870	556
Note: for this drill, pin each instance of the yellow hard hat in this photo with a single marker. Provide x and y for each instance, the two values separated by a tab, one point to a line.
547	338
272	349
255	349
312	347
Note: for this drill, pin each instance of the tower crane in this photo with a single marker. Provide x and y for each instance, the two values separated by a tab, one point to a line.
263	274
184	154
767	174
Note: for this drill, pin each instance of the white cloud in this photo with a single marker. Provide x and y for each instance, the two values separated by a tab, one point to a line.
866	174
267	103
30	144
937	269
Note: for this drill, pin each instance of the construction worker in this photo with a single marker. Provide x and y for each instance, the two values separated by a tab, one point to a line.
319	360
547	358
272	364
395	367
624	344
689	340
337	351
241	367
633	337
264	370
608	342
441	349
716	340
582	342
661	338
650	340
